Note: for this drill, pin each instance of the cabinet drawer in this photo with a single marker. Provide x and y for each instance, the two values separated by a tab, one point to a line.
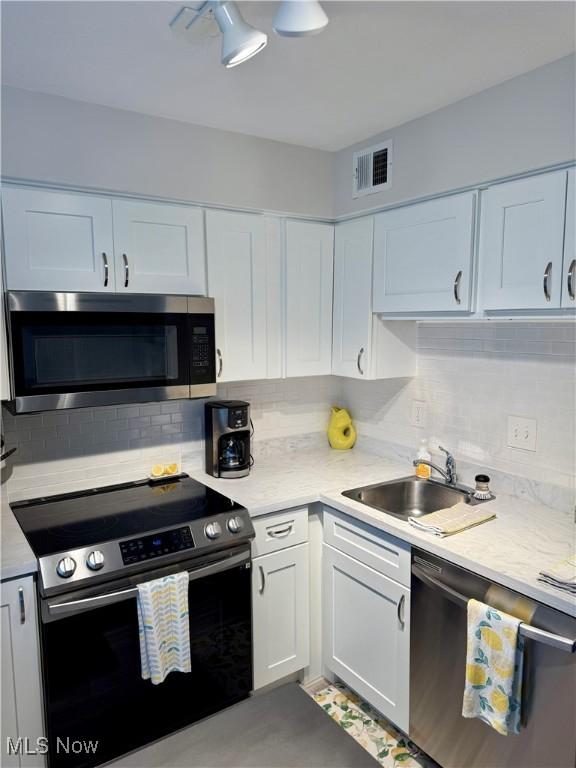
379	550
280	530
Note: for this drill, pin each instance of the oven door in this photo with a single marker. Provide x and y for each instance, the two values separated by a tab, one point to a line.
94	691
75	350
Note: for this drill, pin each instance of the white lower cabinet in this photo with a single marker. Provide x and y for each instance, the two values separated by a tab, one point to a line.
366	633
281	614
21	686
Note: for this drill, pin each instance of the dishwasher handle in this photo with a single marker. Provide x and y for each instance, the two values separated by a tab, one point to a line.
525	630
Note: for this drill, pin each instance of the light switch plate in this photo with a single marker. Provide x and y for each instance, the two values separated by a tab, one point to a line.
419	413
522	433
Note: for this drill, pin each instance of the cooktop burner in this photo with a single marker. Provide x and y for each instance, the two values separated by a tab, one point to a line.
74	520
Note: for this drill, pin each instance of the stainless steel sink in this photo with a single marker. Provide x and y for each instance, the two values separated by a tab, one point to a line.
408	497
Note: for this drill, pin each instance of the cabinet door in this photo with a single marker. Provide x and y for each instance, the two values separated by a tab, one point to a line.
21	687
352	314
309	274
569	282
281	614
423	257
238	280
366	633
521	239
57	242
159	248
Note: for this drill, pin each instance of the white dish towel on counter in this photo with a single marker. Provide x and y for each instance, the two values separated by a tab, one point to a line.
163	627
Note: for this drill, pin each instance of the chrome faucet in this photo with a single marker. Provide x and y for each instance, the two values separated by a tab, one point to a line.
449	474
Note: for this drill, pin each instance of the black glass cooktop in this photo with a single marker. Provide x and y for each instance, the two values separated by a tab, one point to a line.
73	520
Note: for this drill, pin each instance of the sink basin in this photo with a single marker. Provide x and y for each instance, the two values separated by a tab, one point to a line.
407	497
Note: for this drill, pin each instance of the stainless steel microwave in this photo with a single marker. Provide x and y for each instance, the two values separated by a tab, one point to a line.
73	350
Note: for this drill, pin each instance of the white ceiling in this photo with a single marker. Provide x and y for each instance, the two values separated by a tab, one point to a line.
378	64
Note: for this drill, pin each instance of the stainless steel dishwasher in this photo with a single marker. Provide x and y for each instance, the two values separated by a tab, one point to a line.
440	592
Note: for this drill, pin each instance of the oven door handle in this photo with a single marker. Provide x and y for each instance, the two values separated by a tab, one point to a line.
108	598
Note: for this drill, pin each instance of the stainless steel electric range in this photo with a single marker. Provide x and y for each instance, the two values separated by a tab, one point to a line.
93	549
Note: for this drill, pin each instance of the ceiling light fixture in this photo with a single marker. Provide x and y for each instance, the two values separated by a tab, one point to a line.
298	18
240	41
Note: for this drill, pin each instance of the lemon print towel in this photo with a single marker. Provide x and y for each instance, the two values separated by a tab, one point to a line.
163	627
494	660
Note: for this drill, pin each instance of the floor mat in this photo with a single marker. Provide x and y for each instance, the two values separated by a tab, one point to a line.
390	747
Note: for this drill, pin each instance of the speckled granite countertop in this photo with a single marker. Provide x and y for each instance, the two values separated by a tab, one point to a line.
524	538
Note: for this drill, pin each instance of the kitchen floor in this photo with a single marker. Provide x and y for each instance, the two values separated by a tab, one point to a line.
378	737
281	728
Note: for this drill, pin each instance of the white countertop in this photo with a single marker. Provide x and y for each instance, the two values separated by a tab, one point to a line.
524	538
17	557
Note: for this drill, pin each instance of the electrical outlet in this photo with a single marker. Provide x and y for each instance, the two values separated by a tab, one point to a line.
419	414
522	433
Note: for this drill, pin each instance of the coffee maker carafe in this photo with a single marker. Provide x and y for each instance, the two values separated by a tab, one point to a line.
227	437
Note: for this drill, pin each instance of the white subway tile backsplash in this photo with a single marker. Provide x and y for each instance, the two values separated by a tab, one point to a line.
471	375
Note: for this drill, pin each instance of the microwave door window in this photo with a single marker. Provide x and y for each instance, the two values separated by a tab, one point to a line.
87	355
134	356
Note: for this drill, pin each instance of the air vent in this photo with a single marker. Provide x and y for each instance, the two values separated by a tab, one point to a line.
372	169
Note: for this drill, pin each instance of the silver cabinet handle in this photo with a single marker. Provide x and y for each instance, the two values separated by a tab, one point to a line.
126	270
360	371
282	532
457	287
546	283
401	611
105	260
571	279
219	363
262	580
22	605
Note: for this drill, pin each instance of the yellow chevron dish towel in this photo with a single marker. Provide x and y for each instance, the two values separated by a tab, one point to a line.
494	661
163	627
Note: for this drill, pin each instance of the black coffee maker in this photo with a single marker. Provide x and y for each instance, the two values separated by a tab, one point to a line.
227	438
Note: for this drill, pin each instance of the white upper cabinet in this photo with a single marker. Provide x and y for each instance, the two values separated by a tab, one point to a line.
352	326
569	282
309	274
57	242
159	248
521	243
363	345
243	278
423	257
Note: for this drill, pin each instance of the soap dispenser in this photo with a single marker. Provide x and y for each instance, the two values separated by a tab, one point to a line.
423	470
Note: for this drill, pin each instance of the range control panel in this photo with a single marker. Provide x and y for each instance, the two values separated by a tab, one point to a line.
155	545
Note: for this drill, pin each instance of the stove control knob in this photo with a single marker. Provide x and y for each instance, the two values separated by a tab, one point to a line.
235	524
66	567
213	530
95	560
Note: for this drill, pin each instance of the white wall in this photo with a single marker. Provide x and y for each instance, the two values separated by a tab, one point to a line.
472	376
523	124
62	141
